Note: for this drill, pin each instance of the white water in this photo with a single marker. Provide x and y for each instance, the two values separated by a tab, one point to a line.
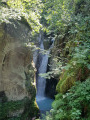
43	102
41	82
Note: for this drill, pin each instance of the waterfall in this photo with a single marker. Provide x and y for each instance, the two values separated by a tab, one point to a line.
43	102
41	81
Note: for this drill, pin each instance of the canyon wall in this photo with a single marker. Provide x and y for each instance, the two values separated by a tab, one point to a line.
16	65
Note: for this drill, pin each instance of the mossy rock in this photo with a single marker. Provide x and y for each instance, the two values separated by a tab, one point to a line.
68	78
29	106
65	83
10	106
31	110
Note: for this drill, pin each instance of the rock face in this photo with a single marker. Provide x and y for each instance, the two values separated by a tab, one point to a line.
14	60
16	70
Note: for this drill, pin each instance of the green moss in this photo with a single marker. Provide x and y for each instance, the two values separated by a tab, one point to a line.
10	106
73	73
29	106
31	110
66	82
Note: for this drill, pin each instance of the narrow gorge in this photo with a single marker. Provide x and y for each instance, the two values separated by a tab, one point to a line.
44	59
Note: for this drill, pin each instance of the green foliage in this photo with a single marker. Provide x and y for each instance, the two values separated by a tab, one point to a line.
74	43
69	20
59	13
10	106
72	32
29	106
28	9
74	105
7	13
77	69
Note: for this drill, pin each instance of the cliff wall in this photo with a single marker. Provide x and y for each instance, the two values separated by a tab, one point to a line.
16	69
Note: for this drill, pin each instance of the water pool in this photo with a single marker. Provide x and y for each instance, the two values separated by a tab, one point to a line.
44	103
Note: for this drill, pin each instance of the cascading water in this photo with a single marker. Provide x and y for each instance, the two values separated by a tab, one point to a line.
43	102
42	69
